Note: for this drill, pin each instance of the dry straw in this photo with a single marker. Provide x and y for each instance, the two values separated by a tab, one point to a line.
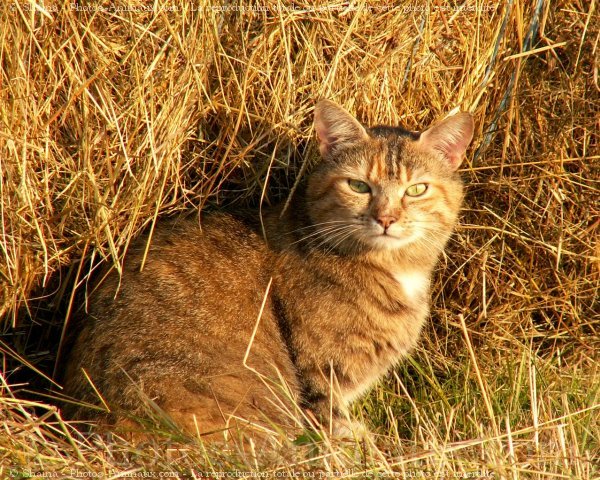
113	114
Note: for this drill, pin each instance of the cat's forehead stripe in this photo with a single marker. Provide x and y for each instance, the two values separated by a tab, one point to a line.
403	173
377	167
397	167
392	161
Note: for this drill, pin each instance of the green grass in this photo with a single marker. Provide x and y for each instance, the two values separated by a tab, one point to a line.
512	416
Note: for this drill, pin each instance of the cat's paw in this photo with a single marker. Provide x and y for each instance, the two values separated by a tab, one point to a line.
350	429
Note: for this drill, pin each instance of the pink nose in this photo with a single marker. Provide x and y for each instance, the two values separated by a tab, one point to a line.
385	221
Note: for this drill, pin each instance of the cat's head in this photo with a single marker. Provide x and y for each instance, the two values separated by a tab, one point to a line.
385	188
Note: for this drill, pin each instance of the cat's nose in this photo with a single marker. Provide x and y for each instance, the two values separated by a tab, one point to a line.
385	220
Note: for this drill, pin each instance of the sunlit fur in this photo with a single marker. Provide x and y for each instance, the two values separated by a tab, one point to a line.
345	220
247	320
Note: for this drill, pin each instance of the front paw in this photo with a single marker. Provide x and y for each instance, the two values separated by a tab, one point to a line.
350	429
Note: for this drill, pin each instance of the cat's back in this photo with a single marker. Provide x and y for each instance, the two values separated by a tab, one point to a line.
184	310
185	267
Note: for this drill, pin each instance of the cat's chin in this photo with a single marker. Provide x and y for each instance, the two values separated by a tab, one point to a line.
389	242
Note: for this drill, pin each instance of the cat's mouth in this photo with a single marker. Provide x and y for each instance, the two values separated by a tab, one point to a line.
389	238
395	230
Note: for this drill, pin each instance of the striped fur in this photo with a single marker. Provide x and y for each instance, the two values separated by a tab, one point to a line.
341	282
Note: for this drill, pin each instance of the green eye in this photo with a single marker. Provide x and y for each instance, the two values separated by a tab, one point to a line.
359	186
417	189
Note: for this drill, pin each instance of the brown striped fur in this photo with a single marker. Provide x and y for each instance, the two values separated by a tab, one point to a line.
332	298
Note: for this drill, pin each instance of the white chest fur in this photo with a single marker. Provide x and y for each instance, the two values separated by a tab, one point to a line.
414	284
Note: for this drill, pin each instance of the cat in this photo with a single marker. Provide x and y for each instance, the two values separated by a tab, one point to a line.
284	321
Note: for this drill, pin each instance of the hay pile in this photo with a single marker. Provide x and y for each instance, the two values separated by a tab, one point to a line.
113	117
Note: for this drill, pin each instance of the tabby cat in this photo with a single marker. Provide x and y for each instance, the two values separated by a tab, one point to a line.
288	319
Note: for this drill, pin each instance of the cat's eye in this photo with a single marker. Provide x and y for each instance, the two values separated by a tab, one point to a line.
417	189
359	186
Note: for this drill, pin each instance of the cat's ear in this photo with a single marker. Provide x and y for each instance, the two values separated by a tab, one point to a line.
450	137
336	127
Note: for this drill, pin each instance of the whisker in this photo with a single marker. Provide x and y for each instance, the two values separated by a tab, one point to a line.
333	235
313	225
322	231
343	237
